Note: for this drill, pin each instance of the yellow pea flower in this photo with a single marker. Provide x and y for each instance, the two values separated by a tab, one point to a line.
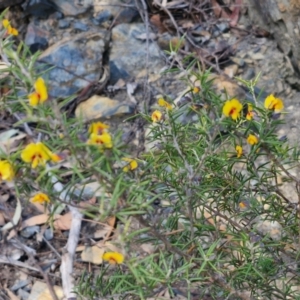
132	164
40	95
163	103
232	108
156	116
252	139
98	128
103	140
113	257
273	103
250	113
6	170
40	198
239	151
196	90
38	154
9	29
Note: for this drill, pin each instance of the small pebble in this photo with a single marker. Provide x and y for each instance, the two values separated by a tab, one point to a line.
80	26
62	24
48	234
28	232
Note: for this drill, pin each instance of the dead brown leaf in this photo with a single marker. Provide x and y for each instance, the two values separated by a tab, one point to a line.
36	220
235	13
2	220
92	254
63	222
218	10
156	21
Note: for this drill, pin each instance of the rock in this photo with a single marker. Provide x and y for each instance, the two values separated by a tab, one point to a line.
257	56
223	26
19	284
128	53
249	74
77	62
231	70
39	8
227	87
23	294
239	61
28	232
80	26
269	228
63	24
113	9
48	234
36	38
57	15
71	7
102	17
40	291
102	107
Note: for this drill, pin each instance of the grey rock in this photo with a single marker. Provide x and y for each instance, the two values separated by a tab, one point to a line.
36	38
273	229
63	24
71	7
57	15
19	284
98	107
128	53
223	27
115	10
28	232
102	16
238	61
23	294
39	8
75	61
249	74
80	26
128	15
48	234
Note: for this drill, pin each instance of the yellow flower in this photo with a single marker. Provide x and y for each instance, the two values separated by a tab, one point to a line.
250	113
113	257
232	108
274	103
239	151
40	95
5	23
156	116
163	103
6	171
252	139
38	154
40	198
196	90
9	29
132	164
98	128
103	140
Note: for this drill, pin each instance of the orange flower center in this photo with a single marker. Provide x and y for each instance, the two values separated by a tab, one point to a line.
36	156
112	260
232	111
